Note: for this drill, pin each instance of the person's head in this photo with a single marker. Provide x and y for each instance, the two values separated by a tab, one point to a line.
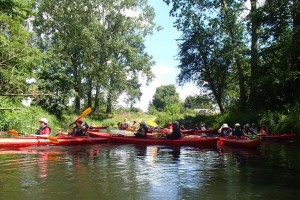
175	123
246	126
253	125
263	126
237	126
78	120
43	121
225	126
169	124
142	124
202	124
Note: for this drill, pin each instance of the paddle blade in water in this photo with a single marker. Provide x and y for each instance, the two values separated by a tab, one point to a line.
53	139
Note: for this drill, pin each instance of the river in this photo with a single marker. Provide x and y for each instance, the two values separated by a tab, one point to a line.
121	172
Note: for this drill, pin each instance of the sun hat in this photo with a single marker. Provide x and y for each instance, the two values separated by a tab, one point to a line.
237	124
225	126
44	120
246	126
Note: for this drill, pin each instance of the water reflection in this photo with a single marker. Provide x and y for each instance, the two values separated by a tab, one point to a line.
149	172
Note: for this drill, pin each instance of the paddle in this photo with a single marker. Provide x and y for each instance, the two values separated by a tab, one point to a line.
83	114
51	138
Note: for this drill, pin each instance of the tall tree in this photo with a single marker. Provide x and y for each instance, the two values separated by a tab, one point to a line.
97	39
19	55
165	95
212	46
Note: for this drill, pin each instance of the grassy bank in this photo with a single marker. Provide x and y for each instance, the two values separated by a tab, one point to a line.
26	119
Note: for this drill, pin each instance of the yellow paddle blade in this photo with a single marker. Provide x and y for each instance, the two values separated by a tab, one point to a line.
13	132
86	112
83	114
53	139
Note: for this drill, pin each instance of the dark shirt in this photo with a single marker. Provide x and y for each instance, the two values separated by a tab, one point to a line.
141	132
77	131
176	133
237	132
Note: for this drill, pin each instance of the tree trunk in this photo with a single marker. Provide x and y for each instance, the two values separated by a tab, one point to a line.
254	55
108	104
237	56
89	93
97	96
77	85
295	60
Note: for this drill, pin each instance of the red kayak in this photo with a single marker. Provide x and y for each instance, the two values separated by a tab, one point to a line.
97	128
278	137
196	141
239	142
34	141
210	131
188	132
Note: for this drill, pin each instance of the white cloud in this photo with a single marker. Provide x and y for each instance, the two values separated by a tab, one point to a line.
164	75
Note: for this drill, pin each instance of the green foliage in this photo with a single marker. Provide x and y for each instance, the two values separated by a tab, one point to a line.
26	119
194	102
287	121
19	55
165	95
98	46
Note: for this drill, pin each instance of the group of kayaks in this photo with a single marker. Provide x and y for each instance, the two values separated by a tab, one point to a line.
195	138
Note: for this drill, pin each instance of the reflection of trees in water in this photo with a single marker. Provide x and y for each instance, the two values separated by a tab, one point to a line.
240	155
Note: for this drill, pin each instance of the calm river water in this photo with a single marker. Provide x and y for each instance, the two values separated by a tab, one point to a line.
128	172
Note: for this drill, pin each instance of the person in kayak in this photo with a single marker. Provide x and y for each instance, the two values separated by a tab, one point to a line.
168	129
263	130
248	131
225	130
44	128
79	128
237	131
253	128
176	132
142	131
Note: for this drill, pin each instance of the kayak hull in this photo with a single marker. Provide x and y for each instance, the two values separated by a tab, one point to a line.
239	142
278	137
195	141
35	141
210	131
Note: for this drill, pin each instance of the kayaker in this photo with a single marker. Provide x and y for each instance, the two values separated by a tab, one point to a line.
79	128
135	124
142	131
237	131
44	128
263	130
248	131
176	132
253	128
168	129
225	130
202	126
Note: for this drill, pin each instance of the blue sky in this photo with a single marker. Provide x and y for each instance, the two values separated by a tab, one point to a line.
162	46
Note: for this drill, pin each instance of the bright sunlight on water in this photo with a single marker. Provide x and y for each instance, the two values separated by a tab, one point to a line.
116	172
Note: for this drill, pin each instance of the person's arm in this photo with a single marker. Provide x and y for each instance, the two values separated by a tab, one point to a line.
230	132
